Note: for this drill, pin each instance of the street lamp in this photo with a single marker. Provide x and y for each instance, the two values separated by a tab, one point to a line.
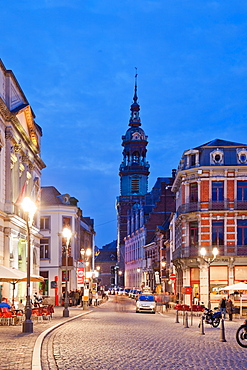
66	234
86	263
209	261
29	207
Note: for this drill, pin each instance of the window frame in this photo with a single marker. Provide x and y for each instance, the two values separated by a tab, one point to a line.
217	229
46	247
217	191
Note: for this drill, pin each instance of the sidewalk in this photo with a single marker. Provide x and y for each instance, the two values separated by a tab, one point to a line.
16	348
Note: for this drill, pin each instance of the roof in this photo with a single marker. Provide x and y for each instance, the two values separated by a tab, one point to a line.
49	195
220	143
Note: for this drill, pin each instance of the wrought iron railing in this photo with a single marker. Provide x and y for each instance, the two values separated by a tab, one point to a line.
224	250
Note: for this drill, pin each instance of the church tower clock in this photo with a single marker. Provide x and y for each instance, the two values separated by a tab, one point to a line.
133	172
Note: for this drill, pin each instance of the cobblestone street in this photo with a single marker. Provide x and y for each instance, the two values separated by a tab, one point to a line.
115	337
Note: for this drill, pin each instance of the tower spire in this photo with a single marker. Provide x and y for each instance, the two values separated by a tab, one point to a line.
135	107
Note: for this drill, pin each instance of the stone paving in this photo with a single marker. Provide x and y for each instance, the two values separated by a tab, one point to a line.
16	348
114	337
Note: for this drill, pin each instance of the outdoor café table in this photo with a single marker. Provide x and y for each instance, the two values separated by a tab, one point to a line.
17	313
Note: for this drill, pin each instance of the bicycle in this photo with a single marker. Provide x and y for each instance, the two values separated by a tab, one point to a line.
241	335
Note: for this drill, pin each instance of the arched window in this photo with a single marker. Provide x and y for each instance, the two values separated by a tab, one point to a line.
135	157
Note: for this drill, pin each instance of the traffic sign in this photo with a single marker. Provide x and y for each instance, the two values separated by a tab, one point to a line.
173	276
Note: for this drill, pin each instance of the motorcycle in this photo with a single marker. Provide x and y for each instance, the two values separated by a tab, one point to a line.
212	318
241	335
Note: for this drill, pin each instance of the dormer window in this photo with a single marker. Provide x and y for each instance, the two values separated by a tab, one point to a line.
242	156
217	157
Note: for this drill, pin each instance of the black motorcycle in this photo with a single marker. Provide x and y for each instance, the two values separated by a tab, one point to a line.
241	335
212	318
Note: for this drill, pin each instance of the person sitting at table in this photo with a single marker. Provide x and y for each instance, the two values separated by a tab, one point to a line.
4	303
21	305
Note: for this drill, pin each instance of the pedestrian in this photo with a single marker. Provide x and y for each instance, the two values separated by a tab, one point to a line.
4	303
222	307
77	298
229	308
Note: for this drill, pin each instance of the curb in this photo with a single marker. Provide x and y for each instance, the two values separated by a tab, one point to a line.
36	357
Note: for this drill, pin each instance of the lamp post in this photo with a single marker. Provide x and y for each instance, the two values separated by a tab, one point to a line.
29	207
86	263
209	261
66	234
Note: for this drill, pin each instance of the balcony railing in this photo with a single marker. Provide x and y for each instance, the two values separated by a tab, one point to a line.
241	205
210	206
70	261
224	250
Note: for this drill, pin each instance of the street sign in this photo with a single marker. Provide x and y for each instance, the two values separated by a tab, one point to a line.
173	276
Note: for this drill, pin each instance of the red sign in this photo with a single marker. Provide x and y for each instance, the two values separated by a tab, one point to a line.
80	275
187	290
173	276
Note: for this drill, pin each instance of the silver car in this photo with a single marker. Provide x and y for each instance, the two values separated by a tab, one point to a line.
146	303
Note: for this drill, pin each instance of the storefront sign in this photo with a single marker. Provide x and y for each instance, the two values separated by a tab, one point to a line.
80	276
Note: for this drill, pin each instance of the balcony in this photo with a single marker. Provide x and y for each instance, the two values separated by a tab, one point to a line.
205	206
240	205
224	251
70	261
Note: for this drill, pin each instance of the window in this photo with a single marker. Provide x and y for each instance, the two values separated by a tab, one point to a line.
44	223
193	233
242	232
135	157
193	192
193	160
242	191
217	191
44	248
217	232
112	270
242	156
217	157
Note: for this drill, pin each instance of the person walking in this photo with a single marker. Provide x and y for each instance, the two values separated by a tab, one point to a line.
222	306
229	308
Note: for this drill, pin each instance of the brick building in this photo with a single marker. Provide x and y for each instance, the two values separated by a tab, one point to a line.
143	247
211	211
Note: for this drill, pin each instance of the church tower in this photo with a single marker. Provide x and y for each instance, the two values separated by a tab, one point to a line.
133	172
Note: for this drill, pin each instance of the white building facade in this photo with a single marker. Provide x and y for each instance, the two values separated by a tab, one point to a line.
56	212
20	172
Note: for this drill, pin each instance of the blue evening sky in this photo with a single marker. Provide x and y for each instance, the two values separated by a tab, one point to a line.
75	61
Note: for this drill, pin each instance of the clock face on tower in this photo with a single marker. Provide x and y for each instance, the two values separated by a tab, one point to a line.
136	136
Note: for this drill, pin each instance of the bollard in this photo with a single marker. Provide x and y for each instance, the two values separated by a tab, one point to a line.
183	316
222	331
186	325
177	320
201	326
191	317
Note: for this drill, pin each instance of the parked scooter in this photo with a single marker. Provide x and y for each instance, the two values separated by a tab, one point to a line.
241	335
212	318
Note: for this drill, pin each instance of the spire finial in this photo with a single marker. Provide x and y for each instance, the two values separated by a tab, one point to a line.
135	95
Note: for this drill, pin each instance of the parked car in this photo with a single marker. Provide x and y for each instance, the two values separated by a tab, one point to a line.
146	303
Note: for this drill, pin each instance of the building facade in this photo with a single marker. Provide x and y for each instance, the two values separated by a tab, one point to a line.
20	173
106	265
58	211
143	246
211	212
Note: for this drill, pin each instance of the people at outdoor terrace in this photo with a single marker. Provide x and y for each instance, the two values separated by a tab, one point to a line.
4	303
